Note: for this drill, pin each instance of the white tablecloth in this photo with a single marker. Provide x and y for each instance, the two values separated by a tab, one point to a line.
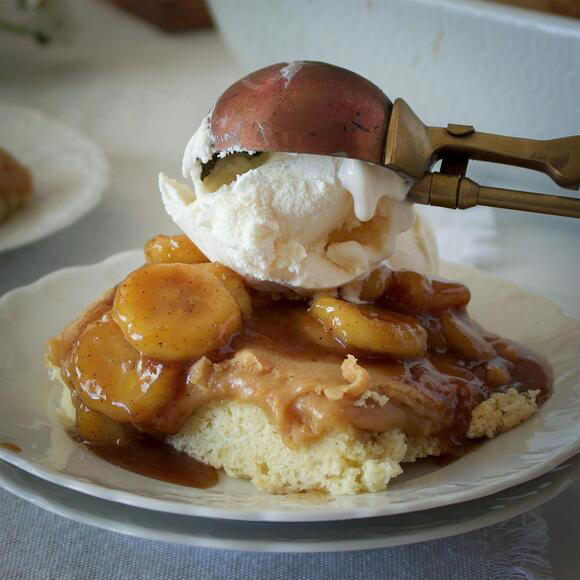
139	94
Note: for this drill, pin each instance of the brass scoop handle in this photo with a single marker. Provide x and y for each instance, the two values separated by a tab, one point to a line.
413	148
457	192
557	158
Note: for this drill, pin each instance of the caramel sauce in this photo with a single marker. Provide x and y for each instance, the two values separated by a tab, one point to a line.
10	446
293	363
428	396
121	444
154	458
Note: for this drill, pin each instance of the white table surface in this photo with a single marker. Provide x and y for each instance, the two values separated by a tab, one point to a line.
140	94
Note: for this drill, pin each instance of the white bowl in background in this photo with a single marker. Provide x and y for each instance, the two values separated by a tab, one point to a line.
502	69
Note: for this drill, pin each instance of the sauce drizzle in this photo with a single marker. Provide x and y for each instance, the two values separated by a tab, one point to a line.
156	459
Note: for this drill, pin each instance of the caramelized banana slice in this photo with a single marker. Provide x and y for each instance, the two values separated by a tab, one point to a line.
175	312
98	428
373	329
464	338
503	348
409	292
448	295
312	328
497	374
414	293
111	377
234	283
173	249
376	284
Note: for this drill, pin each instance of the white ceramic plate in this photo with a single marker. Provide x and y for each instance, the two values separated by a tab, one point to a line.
31	314
361	534
70	174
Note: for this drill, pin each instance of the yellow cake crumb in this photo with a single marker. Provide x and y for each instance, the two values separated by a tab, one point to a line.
238	438
501	412
419	447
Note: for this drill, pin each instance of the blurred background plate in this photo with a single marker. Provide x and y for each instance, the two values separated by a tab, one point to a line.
69	172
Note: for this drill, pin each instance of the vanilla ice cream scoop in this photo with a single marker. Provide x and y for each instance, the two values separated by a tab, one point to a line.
309	222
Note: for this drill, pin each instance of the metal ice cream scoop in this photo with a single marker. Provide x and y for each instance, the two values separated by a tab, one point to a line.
314	107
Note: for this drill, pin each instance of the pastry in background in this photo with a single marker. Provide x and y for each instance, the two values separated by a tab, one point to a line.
561	7
15	185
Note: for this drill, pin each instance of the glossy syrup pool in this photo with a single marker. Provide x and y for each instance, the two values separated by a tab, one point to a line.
154	458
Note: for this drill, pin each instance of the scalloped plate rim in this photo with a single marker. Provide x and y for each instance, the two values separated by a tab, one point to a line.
266	514
506	507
